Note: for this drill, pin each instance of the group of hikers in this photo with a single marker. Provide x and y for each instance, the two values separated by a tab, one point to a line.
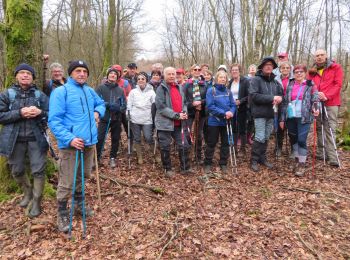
190	109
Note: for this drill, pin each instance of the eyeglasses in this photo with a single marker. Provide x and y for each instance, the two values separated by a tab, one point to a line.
141	78
196	69
299	72
285	68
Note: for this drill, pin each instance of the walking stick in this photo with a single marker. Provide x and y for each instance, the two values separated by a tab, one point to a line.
97	177
314	149
73	193
195	136
332	136
322	133
155	149
275	119
129	140
83	192
231	144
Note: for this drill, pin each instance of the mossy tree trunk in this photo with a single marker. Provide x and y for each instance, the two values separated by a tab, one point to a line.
23	39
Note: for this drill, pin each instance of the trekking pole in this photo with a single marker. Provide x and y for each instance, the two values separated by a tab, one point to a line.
73	193
314	149
97	177
332	135
129	140
195	136
322	133
231	143
155	149
275	119
233	149
83	191
183	144
105	137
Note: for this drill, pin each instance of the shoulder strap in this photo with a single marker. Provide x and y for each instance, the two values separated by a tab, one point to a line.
50	84
126	83
12	96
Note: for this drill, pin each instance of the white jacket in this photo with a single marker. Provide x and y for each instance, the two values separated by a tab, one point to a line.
140	104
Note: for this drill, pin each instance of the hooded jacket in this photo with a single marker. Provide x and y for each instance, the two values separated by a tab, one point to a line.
330	83
71	115
140	104
14	126
219	101
262	91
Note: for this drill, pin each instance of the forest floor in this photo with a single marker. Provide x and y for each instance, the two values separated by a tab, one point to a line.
261	215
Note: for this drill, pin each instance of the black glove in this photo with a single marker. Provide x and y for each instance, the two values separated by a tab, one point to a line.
114	107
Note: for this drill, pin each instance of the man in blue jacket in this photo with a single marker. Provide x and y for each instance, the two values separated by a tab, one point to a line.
75	110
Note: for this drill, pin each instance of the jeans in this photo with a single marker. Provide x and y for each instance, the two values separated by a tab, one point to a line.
298	133
263	129
147	132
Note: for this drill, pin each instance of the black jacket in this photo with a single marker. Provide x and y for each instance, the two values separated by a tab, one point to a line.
13	124
188	91
243	93
112	94
51	84
262	90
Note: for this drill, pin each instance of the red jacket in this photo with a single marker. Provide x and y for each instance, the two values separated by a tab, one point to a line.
330	83
125	86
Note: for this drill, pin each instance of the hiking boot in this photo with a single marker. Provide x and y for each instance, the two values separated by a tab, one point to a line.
255	166
267	164
78	206
38	187
112	163
138	153
169	173
300	170
333	163
24	183
207	169
63	221
223	169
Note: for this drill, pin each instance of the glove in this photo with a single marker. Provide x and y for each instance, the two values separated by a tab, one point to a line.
114	107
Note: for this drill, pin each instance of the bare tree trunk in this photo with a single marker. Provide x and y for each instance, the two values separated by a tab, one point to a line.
108	52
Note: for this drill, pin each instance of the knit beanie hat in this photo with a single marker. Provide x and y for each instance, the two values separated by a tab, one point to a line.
75	64
25	66
110	70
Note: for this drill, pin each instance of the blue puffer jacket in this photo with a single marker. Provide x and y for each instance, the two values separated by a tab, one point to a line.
71	113
219	101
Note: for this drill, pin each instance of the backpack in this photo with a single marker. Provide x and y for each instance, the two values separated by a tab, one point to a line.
13	93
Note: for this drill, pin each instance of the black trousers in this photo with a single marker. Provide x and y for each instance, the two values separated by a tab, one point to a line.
213	137
115	128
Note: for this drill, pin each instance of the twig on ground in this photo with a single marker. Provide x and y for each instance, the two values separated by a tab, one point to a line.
156	190
175	232
315	192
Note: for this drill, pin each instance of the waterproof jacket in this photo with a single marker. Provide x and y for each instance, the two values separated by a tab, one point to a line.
165	114
330	83
219	101
140	105
71	115
111	93
243	93
310	96
13	125
51	84
261	91
188	91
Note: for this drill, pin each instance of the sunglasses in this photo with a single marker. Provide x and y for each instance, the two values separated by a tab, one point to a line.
196	69
299	72
141	78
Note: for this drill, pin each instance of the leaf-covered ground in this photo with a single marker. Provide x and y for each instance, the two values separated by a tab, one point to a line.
261	215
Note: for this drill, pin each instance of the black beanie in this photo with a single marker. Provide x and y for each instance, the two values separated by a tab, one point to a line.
75	64
25	66
112	69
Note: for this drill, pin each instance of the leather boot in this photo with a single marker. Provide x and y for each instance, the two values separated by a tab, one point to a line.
62	217
24	183
263	159
255	157
138	153
38	187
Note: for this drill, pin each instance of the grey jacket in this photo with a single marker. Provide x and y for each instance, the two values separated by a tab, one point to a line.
13	124
165	114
